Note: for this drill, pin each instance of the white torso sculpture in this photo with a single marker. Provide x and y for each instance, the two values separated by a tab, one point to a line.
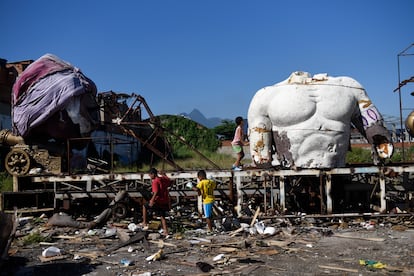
306	121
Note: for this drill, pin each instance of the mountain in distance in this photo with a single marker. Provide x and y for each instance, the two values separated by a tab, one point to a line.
198	117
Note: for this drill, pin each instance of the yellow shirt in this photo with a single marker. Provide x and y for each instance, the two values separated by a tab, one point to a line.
207	187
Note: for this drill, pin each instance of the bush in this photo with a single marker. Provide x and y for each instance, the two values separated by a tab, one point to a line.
181	131
6	182
359	155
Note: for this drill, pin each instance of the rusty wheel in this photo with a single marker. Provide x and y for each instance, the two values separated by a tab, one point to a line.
120	210
17	162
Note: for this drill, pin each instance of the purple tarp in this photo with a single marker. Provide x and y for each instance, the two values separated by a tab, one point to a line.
47	86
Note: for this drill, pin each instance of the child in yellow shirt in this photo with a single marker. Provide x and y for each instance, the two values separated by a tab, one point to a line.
205	187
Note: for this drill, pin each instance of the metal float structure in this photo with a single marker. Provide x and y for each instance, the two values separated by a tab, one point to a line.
271	185
237	187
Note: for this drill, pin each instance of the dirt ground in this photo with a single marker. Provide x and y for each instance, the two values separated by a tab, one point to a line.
297	245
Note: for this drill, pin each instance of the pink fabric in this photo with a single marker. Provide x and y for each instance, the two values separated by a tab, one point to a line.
237	140
46	88
45	65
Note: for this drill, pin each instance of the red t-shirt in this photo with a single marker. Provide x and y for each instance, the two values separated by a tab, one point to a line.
160	186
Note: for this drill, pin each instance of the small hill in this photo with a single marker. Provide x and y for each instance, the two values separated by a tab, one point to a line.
198	117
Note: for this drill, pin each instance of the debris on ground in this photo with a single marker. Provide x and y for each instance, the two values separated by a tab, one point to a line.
257	245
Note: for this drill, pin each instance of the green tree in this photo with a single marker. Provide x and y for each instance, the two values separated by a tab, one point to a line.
226	129
179	129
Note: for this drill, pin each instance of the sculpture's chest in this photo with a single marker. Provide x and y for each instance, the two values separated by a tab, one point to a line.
293	104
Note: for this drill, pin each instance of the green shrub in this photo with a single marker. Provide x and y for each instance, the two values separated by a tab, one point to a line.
359	155
6	182
184	133
34	238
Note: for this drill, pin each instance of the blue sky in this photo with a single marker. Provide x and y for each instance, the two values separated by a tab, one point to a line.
214	55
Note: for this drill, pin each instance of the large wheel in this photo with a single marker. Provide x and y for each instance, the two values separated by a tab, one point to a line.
120	210
17	162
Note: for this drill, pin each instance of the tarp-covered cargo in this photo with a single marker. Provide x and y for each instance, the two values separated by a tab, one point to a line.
55	98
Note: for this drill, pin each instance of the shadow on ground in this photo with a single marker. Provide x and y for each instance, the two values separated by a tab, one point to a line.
18	266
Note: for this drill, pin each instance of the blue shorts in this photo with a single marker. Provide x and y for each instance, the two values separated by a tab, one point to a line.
208	209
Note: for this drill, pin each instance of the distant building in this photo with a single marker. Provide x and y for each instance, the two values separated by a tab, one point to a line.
8	74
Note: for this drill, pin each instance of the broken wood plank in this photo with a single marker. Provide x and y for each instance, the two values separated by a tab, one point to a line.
53	258
66	237
278	243
235	232
161	243
249	270
122	235
140	236
255	216
358	238
201	239
228	249
90	254
339	268
268	252
237	244
48	243
245	270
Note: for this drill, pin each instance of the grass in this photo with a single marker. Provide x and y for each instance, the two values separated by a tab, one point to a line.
34	238
193	161
6	182
190	160
358	155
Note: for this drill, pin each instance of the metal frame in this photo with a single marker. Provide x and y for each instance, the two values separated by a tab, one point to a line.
401	84
238	186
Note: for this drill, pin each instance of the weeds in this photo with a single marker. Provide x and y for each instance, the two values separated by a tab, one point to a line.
6	182
34	238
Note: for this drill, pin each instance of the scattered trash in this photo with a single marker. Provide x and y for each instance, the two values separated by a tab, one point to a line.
218	257
142	274
205	267
249	261
126	262
77	257
189	185
269	230
154	236
51	252
63	219
372	264
264	236
35	171
157	256
92	232
132	227
260	227
110	232
252	230
244	225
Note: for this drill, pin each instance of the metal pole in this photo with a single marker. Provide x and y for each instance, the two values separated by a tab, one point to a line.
239	195
403	53
282	194
383	200
401	118
328	188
